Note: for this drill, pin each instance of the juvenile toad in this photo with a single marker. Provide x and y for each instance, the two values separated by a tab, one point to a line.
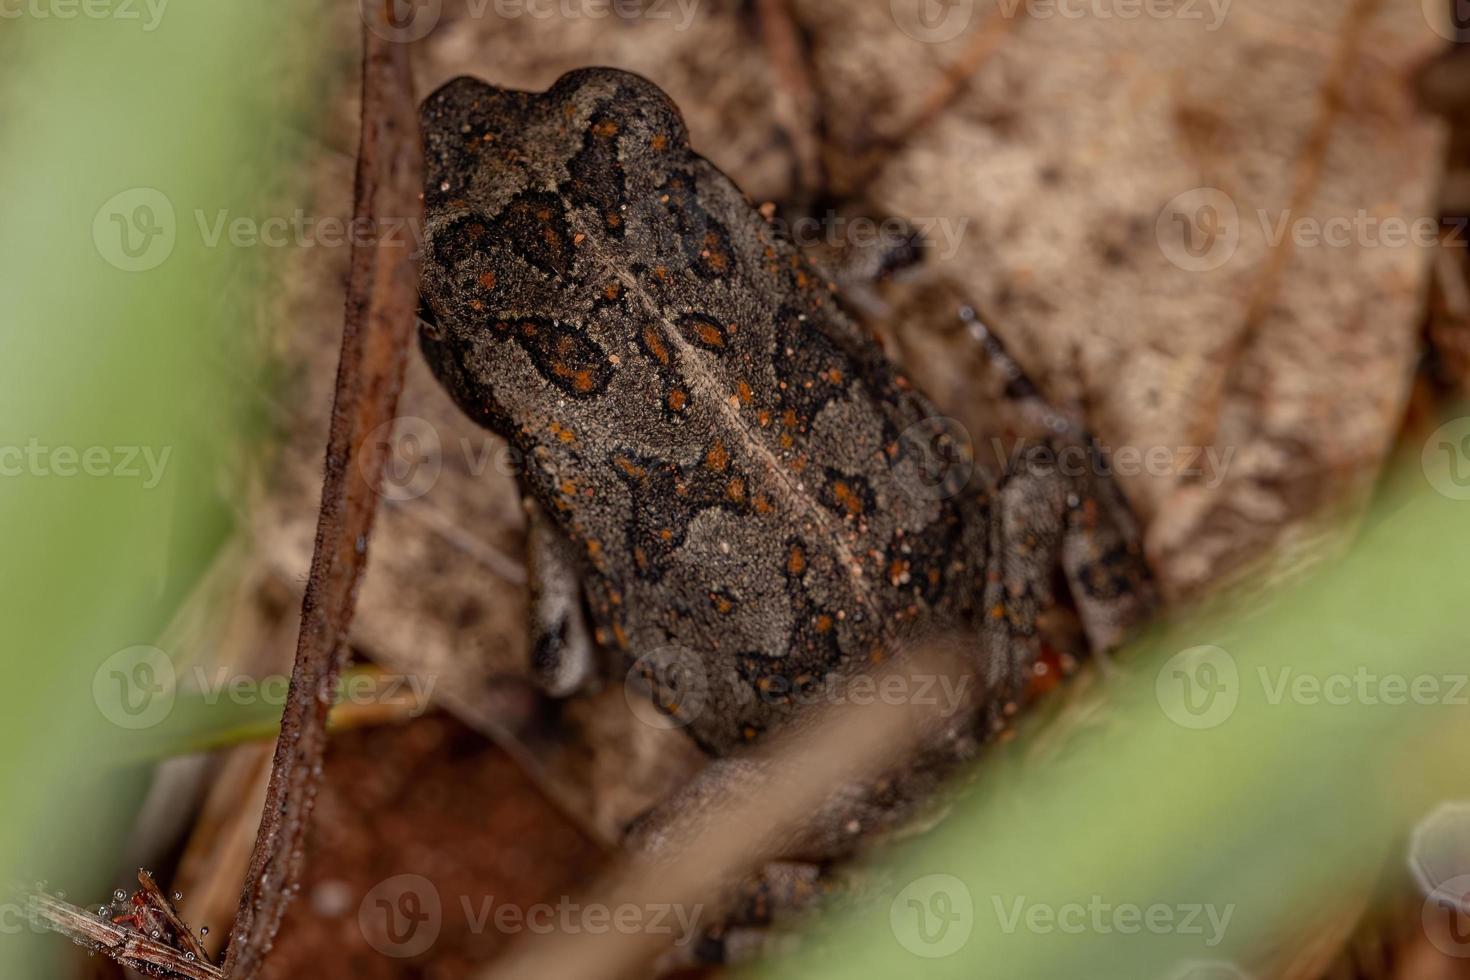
724	469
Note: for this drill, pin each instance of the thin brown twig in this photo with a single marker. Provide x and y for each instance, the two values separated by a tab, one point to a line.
166	908
956	78
382	294
127	946
1310	163
797	105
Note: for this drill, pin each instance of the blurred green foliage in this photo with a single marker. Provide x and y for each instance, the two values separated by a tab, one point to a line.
1251	776
130	371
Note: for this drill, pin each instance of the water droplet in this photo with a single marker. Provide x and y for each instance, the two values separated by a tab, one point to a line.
189	957
119	896
204	930
155	934
178	896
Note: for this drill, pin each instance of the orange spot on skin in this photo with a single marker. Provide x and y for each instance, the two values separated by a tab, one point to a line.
563	433
594	549
659	142
735	490
824	623
678	399
619	635
578	238
898	572
614	219
487	279
717	260
796	561
666	535
581	379
722	604
743	392
612	290
762	505
630	468
662	271
717	459
834	376
788	419
569	488
606	129
764	418
849	500
709	334
998	611
655	344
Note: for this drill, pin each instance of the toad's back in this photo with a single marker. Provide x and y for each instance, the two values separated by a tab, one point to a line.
732	458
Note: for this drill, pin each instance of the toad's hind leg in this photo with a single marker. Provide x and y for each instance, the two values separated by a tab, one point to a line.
563	659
